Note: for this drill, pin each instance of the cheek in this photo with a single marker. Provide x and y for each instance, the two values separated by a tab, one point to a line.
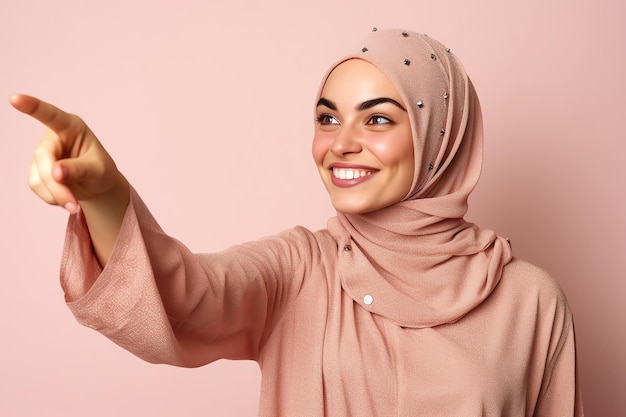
393	150
320	147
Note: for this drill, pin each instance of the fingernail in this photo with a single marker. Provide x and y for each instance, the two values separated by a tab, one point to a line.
71	207
61	172
64	171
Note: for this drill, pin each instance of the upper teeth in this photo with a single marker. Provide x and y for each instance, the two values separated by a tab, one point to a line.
349	173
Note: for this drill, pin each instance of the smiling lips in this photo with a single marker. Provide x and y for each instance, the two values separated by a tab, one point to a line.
348	177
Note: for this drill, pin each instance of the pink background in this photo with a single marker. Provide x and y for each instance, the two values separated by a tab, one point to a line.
208	111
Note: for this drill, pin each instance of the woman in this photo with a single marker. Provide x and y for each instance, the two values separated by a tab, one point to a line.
399	307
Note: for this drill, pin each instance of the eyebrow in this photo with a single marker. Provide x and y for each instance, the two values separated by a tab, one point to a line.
363	106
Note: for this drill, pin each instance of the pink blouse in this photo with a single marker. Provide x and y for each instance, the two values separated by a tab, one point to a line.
280	302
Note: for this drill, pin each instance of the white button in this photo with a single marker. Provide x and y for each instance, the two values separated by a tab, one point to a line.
368	299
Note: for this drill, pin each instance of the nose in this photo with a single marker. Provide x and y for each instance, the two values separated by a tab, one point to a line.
346	142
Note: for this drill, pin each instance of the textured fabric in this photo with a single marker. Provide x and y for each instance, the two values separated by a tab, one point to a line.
280	301
409	310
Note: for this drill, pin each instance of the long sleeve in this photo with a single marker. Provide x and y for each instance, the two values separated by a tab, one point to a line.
560	393
280	301
165	304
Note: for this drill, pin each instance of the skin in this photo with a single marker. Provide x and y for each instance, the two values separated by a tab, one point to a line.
362	124
71	168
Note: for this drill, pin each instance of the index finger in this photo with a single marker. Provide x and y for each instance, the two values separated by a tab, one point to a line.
54	118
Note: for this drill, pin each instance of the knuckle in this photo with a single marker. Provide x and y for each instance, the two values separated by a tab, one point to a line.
34	180
40	152
34	183
76	119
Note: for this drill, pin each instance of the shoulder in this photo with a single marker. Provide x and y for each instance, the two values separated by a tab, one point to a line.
300	236
531	279
298	243
533	288
300	233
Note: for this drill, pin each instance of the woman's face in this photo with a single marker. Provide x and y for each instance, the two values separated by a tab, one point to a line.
362	146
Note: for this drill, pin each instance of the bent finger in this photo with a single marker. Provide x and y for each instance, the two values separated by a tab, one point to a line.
38	187
46	180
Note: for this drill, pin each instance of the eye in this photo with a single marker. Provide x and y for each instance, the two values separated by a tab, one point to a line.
327	119
378	120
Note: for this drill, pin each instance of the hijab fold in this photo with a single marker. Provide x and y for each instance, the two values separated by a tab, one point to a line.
419	263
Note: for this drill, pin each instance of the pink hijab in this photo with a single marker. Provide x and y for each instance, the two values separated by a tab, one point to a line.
418	263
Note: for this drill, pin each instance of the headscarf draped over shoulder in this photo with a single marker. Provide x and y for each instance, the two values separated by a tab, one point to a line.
418	262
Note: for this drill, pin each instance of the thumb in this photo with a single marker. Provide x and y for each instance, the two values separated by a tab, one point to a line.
86	175
65	173
69	171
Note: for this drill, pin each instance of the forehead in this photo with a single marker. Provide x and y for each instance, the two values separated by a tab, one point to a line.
358	80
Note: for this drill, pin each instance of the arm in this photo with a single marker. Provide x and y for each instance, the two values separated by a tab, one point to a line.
560	391
167	305
140	287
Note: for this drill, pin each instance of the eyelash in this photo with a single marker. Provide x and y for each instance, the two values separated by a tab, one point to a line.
378	116
323	119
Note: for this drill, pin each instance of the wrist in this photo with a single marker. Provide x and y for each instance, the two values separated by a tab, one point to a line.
104	215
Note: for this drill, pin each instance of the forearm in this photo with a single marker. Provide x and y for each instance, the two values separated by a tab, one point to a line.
165	304
104	214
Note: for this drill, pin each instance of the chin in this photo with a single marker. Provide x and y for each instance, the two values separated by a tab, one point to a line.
352	208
